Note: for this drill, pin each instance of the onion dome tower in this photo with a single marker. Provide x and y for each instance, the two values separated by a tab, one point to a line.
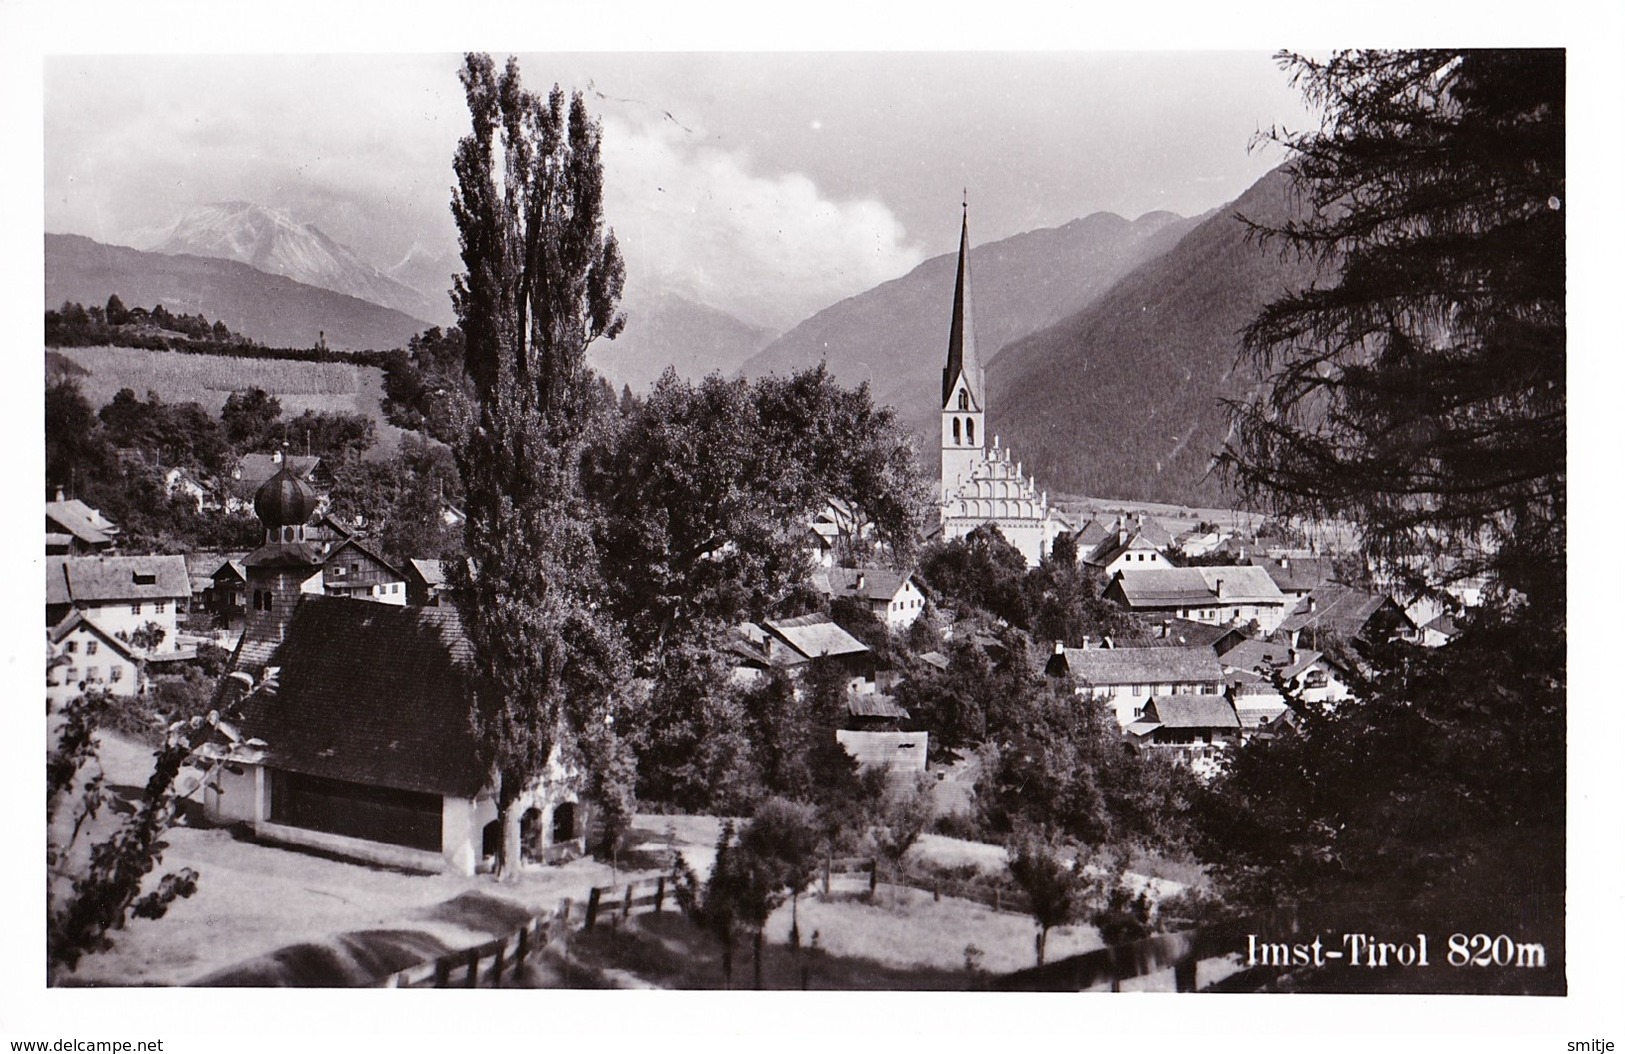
278	570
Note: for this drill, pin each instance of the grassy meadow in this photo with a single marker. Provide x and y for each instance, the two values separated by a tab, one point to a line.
209	379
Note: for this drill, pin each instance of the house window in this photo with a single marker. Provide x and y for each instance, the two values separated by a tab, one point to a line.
956	431
160	607
135	609
93	674
338	571
970	431
90	647
73	646
73	674
116	673
964	400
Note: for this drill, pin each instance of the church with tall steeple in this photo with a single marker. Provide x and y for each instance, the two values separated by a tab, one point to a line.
982	483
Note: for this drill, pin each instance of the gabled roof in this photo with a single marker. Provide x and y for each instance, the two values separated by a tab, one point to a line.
253	470
75	620
1171	632
80	520
108	579
879	583
1192	711
1161	587
814	635
1296	574
372	693
366	550
429	572
1341	609
1110	548
1101	667
1091	534
935	659
1257	656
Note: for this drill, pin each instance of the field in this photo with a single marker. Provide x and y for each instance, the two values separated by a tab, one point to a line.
266	916
208	379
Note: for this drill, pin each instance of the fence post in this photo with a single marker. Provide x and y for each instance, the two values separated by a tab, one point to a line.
660	894
1185	975
826	875
874	876
996	898
522	952
473	968
626	908
936	890
498	964
592	906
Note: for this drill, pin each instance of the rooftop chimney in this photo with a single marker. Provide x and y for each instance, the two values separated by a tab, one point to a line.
859	586
59	494
1218	587
1060	647
1106	642
1311	603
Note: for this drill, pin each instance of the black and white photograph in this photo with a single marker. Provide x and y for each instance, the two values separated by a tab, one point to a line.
1061	522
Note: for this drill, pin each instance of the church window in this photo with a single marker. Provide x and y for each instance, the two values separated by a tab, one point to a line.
970	431
956	430
964	400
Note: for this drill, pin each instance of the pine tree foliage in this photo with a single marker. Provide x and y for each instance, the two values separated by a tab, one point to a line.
542	281
1418	386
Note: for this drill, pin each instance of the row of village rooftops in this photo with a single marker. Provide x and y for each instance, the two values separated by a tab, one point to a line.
347	724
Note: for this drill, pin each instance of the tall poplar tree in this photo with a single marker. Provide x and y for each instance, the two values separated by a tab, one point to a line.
543	279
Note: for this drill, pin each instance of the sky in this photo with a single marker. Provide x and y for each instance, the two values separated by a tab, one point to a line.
767	184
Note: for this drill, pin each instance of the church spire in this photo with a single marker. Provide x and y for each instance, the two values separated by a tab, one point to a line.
962	356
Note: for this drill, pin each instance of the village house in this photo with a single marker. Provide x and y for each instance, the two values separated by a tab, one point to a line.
73	528
1127	678
1194	729
1127	547
123	595
82	656
791	643
890	596
1215	595
425	582
1334	611
1295	576
1316	676
253	470
347	726
353	569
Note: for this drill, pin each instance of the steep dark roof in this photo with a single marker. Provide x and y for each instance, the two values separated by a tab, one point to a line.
962	357
1171	632
879	583
429	572
1342	609
1296	574
372	693
1110	548
1257	656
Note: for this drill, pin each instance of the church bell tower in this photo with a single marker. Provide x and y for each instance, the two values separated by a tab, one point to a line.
964	440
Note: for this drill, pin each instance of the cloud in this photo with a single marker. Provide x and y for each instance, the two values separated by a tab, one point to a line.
769	248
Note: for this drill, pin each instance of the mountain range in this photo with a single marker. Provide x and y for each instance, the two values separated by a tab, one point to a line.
271	240
274	310
1122	399
1108	343
895	335
664	329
